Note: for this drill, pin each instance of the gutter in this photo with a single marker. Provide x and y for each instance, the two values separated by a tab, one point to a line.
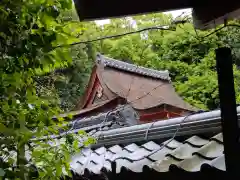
194	124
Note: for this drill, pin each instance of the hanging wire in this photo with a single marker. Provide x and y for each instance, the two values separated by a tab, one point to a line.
162	27
117	109
177	130
152	124
216	30
146	94
146	134
132	81
165	144
146	138
117	35
96	139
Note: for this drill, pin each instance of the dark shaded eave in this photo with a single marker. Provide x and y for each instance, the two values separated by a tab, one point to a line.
96	108
219	15
206	11
92	10
206	172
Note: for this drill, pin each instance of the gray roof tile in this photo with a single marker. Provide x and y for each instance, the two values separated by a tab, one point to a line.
189	156
160	154
197	141
106	61
74	163
115	149
219	163
121	155
218	137
173	143
184	151
151	145
81	160
100	150
193	164
211	150
163	165
138	165
105	128
139	154
108	155
95	158
77	168
95	168
134	166
132	147
122	163
86	151
107	165
92	132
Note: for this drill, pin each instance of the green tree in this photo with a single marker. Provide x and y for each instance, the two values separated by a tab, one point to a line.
30	33
72	80
189	58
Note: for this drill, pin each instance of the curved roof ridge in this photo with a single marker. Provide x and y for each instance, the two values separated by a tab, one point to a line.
106	61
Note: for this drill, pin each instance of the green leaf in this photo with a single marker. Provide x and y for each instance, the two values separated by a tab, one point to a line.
5	130
2	172
58	169
82	132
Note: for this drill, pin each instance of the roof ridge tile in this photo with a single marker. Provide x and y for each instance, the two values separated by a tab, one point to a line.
173	144
213	149
106	61
196	141
218	138
183	152
150	146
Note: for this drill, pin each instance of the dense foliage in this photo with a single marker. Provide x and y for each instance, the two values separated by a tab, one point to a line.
29	32
183	51
42	75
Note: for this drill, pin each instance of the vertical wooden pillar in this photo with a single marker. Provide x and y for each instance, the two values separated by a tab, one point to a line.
114	171
228	109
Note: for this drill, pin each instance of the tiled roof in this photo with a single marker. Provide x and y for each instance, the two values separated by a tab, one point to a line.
143	88
122	116
189	155
106	61
197	145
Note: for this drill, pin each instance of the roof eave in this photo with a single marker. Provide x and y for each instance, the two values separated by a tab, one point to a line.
208	10
193	124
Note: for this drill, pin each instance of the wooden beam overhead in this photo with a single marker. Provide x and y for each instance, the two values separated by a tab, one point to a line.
206	13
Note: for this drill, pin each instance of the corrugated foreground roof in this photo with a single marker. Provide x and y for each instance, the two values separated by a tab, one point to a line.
198	144
188	155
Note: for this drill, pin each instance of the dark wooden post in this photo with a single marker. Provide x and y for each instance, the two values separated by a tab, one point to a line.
114	171
228	109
